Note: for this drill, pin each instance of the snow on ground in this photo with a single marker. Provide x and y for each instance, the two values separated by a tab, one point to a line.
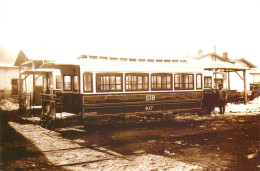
9	104
249	108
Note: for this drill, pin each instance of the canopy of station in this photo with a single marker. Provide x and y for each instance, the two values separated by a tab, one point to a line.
59	64
222	66
34	63
37	71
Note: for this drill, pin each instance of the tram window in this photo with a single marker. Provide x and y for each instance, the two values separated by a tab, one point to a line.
50	82
207	82
139	82
178	82
188	79
146	82
109	82
161	81
184	82
75	83
67	82
118	83
58	82
87	82
113	83
199	81
255	88
45	82
136	82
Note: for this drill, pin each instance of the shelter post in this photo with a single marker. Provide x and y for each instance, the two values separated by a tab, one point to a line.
245	93
20	89
33	92
34	79
228	80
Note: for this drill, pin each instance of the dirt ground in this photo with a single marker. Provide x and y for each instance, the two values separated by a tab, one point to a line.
216	142
187	142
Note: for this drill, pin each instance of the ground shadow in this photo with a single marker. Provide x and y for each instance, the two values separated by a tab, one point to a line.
18	153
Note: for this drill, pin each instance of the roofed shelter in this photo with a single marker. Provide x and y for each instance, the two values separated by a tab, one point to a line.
222	66
30	80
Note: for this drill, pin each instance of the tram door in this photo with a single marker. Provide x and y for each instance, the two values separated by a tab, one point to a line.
71	87
37	90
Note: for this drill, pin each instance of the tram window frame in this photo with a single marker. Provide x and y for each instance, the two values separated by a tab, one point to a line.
104	80
64	86
50	81
157	81
75	84
140	84
44	82
199	85
58	82
206	83
183	81
88	83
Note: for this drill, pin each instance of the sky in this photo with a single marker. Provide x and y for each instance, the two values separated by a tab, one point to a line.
60	29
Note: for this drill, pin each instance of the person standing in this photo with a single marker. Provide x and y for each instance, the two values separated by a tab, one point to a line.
221	98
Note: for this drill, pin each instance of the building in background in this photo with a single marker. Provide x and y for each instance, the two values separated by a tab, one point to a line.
9	80
9	74
229	72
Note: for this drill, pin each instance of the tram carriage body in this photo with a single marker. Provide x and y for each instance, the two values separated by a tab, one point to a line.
114	89
130	105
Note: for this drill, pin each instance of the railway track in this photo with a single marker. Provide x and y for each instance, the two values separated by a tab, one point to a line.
63	152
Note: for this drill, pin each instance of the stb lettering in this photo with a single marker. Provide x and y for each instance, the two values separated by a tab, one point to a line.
150	97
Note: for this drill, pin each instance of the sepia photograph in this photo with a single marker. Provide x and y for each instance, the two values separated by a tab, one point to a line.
143	85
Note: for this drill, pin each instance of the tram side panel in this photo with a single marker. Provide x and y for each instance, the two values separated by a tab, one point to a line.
71	103
209	101
104	105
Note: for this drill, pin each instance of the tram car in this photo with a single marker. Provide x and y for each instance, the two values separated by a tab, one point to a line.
124	90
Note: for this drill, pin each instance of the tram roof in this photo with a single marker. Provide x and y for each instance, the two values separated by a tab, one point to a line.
97	65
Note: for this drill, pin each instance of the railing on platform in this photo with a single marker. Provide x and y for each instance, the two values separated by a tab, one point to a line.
52	104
